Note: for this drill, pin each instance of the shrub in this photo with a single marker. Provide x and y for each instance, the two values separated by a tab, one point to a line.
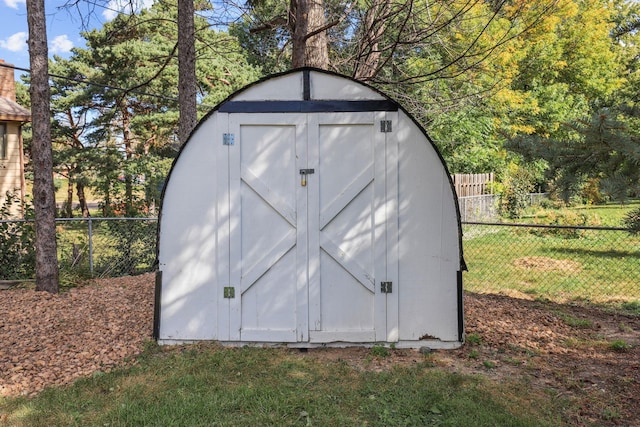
632	221
590	192
17	244
517	186
565	217
132	243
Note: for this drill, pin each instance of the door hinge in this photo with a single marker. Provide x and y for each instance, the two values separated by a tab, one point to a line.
385	126
229	292
386	287
228	139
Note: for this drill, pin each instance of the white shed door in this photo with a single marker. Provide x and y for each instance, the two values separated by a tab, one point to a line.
308	252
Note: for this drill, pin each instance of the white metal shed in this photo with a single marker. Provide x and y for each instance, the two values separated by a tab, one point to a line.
309	209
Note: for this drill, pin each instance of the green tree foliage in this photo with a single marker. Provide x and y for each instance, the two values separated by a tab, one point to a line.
604	148
474	73
118	136
626	35
459	84
570	65
594	74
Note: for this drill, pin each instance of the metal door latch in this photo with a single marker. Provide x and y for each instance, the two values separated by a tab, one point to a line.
385	287
303	176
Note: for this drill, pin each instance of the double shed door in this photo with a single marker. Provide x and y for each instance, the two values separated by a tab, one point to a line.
312	224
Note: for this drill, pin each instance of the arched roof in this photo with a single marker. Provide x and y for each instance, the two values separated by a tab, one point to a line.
317	90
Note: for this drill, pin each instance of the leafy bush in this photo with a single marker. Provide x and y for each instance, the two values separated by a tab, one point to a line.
17	243
591	193
565	217
632	221
132	247
518	183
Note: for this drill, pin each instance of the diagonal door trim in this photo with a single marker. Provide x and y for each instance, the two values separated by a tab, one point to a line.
280	205
347	262
350	192
268	260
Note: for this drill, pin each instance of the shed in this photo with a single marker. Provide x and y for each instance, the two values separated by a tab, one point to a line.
309	209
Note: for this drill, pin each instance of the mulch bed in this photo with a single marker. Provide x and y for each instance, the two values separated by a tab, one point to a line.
50	340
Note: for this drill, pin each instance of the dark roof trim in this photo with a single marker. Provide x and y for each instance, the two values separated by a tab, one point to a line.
338	106
306	84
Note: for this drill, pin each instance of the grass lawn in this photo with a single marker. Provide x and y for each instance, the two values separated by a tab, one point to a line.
599	266
208	385
593	265
611	214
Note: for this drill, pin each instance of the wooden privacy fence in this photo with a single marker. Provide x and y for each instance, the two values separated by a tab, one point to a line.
475	184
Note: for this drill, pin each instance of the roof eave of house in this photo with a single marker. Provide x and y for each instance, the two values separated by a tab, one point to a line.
12	111
15	118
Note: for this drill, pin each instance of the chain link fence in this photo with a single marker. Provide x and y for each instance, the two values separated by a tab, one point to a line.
479	208
555	262
596	264
93	247
486	207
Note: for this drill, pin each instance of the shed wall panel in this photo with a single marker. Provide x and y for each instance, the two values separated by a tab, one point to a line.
429	256
326	86
282	88
189	223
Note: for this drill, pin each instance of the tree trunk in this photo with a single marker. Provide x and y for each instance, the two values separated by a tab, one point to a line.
127	140
69	203
186	70
77	143
369	54
310	42
82	200
42	151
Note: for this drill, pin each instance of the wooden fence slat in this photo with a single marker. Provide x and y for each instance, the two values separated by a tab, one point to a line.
472	184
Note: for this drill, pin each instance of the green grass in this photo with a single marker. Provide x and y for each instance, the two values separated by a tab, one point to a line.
599	266
208	385
619	346
611	214
574	321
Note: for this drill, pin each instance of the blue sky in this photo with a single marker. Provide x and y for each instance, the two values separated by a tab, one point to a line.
63	26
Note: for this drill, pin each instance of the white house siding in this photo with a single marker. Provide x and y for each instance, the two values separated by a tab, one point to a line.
11	167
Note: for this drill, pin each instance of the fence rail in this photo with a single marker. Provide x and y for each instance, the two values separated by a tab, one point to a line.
555	262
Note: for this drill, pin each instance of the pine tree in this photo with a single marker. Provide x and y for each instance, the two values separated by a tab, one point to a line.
605	147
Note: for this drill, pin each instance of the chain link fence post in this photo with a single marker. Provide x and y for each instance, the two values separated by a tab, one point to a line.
90	226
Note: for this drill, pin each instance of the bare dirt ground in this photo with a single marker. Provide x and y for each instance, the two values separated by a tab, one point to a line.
584	354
